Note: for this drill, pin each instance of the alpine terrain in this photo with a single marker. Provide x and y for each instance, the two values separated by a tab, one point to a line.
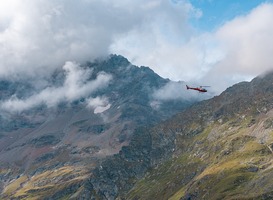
217	149
55	134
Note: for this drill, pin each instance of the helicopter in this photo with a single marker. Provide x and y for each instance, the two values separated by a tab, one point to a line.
200	89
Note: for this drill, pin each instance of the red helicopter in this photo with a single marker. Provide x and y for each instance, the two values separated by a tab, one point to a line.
200	89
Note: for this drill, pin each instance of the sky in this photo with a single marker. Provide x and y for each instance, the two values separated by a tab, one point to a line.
202	42
216	12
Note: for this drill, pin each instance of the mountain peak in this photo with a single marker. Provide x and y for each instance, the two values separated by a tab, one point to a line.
110	64
83	115
118	60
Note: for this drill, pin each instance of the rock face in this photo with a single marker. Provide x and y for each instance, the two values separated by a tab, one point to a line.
220	148
37	143
217	149
117	175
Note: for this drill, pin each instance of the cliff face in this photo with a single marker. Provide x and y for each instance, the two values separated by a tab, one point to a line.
217	149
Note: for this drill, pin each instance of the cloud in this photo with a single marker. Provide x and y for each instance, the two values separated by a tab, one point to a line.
247	42
99	104
176	91
238	50
36	37
163	41
75	86
246	46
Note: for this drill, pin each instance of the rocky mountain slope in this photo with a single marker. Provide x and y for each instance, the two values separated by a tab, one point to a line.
217	149
50	151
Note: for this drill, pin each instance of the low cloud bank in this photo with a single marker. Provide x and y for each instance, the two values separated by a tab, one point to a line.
99	104
76	86
177	91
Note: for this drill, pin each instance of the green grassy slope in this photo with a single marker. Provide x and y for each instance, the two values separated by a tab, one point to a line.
225	161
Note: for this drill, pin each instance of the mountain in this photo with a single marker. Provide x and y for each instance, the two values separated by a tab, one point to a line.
217	149
55	132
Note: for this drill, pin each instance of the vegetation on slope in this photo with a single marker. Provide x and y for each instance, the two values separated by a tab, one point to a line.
225	142
224	161
58	183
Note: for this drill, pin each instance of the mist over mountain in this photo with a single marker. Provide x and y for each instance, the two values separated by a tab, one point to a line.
89	84
71	121
217	149
78	121
112	143
108	129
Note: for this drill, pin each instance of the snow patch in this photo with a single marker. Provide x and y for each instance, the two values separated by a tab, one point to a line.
99	104
101	109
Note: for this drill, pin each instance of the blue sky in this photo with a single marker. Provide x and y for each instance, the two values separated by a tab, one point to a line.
216	12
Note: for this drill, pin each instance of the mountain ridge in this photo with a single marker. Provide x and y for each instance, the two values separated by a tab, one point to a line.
71	138
220	148
237	126
186	156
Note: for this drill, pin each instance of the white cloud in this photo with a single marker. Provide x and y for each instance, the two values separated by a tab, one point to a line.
246	45
171	91
76	86
176	91
99	104
38	36
239	50
163	41
248	42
